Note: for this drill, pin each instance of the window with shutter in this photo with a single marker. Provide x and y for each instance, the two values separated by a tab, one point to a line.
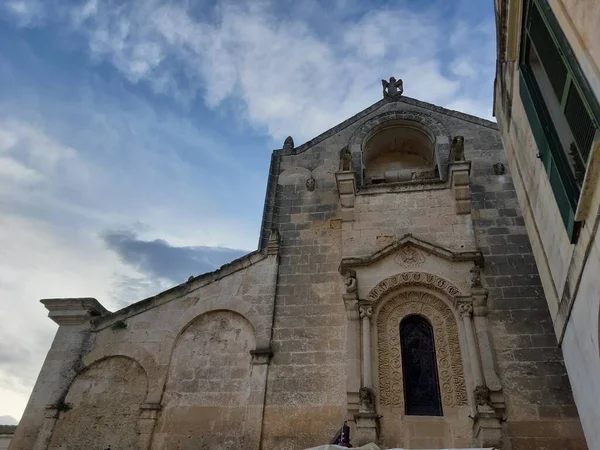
563	113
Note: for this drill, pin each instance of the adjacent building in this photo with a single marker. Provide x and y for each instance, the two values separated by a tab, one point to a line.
547	94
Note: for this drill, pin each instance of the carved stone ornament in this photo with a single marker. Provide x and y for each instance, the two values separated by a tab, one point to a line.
482	396
413	278
350	281
345	159
409	257
392	89
465	309
447	348
475	276
458	148
367	399
499	169
365	311
310	184
288	144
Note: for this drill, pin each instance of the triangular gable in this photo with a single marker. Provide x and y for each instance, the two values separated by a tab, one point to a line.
375	106
409	239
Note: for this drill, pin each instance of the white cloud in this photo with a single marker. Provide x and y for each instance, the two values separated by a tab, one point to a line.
290	79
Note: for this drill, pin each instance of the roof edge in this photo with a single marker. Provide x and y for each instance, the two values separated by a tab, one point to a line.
193	284
450	112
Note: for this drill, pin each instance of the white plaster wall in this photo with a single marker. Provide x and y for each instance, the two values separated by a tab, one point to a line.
580	22
581	348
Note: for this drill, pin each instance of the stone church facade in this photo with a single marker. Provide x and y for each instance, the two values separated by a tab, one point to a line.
393	289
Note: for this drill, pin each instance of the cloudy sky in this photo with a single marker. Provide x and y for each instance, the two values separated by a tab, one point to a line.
135	135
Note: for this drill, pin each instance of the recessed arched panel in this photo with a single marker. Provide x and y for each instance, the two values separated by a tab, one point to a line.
208	385
102	407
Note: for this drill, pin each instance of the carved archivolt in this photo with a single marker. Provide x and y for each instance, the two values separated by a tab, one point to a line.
447	347
412	278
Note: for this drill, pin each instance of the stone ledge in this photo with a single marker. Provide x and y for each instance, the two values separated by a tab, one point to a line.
73	311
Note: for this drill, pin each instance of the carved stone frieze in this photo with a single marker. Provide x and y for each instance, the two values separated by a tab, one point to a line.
448	355
413	278
409	257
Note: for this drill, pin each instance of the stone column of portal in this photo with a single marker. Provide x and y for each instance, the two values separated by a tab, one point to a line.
465	310
367	421
365	316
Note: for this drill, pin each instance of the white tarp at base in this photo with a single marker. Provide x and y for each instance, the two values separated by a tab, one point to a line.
374	447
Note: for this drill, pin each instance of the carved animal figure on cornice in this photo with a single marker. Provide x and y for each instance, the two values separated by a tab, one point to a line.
392	89
345	159
458	148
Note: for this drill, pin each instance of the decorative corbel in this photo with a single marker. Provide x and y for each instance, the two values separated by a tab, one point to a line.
346	185
261	355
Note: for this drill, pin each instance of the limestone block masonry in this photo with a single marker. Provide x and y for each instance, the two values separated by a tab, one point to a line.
279	348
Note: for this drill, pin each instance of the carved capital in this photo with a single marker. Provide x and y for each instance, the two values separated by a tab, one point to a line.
365	311
465	309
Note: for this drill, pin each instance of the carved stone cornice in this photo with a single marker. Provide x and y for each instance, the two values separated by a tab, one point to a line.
409	239
73	311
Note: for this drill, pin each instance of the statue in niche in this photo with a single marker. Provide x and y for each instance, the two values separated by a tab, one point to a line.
310	184
392	89
367	399
458	148
345	159
350	281
288	144
475	276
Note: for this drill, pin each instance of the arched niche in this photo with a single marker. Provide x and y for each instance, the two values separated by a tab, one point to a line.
208	384
102	407
400	146
397	150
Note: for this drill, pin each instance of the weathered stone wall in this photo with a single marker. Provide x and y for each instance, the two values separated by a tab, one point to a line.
103	407
190	349
306	390
207	389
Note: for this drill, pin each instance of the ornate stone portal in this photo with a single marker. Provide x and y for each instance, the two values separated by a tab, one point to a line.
468	384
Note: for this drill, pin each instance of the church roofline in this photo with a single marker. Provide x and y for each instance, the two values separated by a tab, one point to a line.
374	107
409	239
193	284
